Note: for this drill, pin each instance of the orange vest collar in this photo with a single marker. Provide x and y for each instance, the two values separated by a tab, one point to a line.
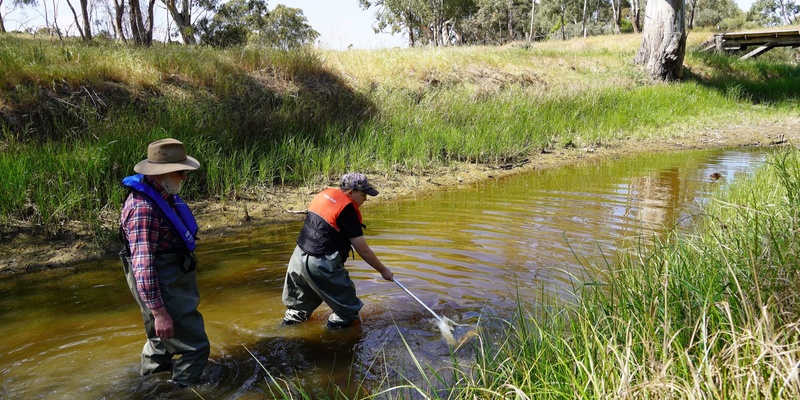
329	203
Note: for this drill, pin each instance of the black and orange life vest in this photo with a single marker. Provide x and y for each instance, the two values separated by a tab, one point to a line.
321	235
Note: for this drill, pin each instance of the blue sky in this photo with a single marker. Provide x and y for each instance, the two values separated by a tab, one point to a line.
342	23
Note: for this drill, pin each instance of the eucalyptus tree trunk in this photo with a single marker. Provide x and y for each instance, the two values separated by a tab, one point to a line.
690	23
635	14
77	22
615	9
784	14
87	25
119	13
509	12
182	18
583	19
2	26
141	34
137	22
86	30
531	38
55	29
663	39
151	4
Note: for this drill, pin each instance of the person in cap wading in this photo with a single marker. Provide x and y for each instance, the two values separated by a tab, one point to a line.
159	234
316	270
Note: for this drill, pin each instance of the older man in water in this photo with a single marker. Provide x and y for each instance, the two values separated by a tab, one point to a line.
159	233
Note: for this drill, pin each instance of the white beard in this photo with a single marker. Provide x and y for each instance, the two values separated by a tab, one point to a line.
172	187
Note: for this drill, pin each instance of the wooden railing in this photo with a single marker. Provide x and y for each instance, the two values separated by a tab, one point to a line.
765	40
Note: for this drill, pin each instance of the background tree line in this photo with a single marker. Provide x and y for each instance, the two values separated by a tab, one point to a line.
211	22
423	22
453	22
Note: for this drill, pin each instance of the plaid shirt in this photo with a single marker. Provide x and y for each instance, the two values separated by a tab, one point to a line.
147	233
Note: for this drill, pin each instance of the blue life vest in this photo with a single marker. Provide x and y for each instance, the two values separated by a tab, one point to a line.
180	217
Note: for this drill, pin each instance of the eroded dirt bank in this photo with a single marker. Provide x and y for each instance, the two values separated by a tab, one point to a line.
22	252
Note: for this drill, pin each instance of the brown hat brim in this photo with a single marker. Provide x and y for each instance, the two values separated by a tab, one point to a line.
146	167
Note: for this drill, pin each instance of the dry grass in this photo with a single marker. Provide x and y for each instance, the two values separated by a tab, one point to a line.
559	65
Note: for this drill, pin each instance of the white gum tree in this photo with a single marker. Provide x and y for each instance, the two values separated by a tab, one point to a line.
663	39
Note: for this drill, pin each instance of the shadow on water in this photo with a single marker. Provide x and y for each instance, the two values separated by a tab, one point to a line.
472	254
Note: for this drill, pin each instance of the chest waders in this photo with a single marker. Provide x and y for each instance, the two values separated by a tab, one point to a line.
310	280
181	298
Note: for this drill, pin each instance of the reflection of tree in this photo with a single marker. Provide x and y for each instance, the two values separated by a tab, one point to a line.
659	196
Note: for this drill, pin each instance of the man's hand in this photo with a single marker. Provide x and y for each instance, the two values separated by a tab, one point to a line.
164	326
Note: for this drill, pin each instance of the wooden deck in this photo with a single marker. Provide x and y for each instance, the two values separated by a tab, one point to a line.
762	40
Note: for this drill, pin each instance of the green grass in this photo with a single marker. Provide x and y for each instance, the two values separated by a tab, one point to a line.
77	117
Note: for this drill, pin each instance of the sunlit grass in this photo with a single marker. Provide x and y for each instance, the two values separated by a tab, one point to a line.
558	65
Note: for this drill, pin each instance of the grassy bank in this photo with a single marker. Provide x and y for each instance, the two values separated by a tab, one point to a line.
77	117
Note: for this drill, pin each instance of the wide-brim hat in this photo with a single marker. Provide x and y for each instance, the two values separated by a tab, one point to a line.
165	156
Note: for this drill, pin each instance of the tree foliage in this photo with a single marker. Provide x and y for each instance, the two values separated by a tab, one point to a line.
397	16
238	22
774	12
424	21
498	22
286	28
710	13
232	23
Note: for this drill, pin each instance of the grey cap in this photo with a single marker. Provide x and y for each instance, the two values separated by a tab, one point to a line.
357	181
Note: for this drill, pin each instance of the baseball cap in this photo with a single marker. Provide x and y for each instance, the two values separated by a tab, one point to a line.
357	181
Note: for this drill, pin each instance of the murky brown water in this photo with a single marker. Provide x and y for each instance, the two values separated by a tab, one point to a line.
468	253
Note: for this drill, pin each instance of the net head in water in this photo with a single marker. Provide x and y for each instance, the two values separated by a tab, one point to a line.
444	327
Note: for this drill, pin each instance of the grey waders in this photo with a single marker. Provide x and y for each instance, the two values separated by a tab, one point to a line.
311	280
181	298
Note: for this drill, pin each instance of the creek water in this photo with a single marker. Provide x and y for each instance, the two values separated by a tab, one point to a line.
469	253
